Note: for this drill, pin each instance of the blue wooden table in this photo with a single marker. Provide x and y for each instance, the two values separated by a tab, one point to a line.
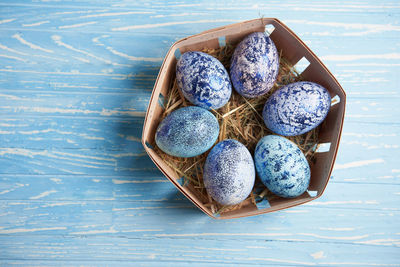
76	187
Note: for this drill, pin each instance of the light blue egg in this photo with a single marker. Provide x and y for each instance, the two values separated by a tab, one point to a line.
187	132
229	172
254	65
296	108
203	80
281	166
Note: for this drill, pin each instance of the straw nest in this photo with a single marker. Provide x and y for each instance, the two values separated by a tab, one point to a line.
240	119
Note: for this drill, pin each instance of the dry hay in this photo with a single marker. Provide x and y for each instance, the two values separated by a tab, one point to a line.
240	119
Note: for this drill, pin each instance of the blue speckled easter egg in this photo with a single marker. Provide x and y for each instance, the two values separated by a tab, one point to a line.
229	172
254	65
187	132
281	166
203	80
296	108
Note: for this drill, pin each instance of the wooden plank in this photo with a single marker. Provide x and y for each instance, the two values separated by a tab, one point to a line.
149	186
47	132
99	263
120	250
183	220
84	104
153	187
73	161
85	15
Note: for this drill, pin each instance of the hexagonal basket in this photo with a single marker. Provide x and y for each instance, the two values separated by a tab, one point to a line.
294	50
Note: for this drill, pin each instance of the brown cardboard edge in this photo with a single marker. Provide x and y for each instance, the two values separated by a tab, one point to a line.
259	212
266	21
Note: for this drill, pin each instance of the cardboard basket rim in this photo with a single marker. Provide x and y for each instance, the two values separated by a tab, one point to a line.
265	21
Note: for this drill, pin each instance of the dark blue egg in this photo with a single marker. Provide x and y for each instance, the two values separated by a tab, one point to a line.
296	108
254	65
187	132
281	166
229	172
203	80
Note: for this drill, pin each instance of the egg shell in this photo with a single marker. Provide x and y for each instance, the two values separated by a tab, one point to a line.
203	80
187	132
254	65
281	166
229	172
296	108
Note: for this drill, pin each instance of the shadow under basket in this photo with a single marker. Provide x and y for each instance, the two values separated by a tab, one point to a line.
297	53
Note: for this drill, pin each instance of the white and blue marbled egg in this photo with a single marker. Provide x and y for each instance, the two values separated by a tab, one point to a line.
203	80
229	172
187	132
281	166
296	108
254	65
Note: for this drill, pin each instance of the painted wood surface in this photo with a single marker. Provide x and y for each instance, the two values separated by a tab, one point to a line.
77	189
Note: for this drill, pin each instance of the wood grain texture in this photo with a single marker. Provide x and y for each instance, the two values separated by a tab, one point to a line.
77	189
